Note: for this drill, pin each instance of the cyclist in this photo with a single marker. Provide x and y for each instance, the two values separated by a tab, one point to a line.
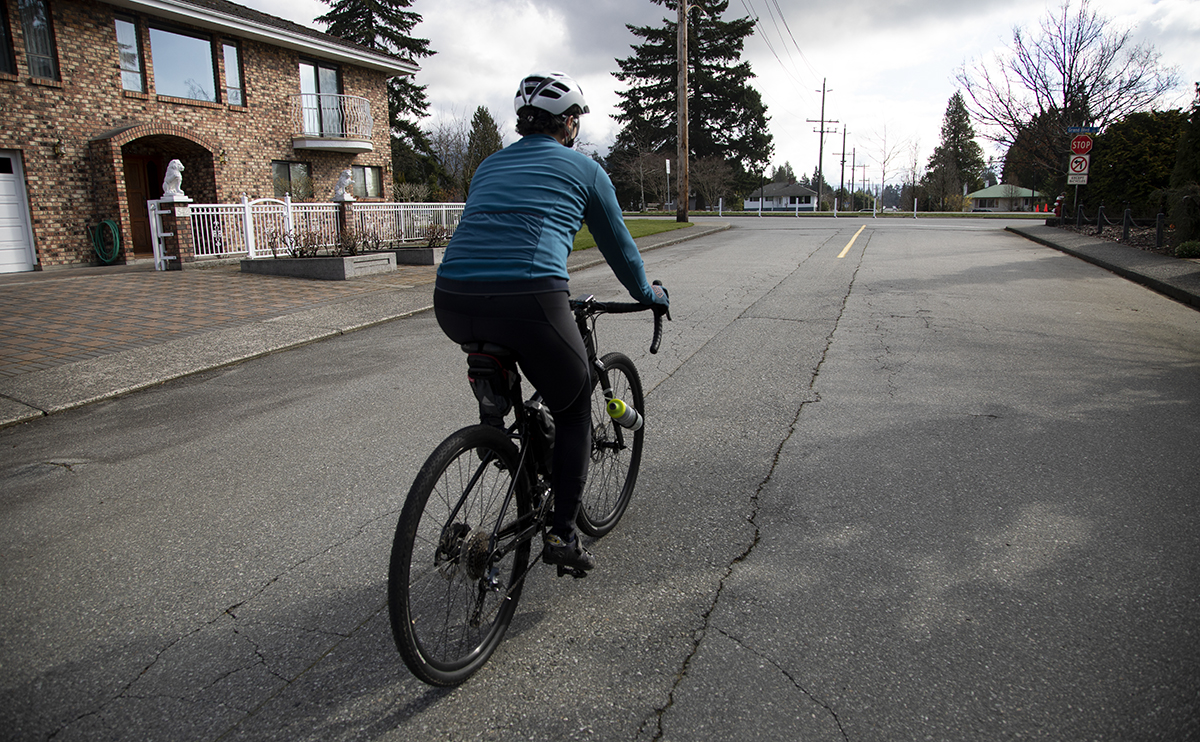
503	278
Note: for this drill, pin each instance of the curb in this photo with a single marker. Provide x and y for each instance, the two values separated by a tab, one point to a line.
38	394
1172	277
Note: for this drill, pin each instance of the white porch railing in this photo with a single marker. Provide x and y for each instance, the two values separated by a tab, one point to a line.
268	226
394	222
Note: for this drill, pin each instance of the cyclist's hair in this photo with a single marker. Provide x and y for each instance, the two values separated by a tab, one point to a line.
533	120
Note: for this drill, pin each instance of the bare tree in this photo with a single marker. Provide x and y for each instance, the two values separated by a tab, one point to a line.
914	171
647	172
449	141
711	177
884	152
1076	69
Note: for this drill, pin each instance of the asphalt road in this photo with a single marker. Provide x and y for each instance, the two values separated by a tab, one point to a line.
939	485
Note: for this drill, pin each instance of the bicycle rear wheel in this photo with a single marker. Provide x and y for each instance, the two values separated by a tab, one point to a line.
456	570
616	452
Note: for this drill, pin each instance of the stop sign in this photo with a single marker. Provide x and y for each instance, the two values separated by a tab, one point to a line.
1081	145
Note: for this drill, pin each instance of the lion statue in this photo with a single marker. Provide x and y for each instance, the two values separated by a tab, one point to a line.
344	190
173	183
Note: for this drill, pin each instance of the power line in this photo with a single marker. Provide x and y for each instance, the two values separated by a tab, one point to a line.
800	84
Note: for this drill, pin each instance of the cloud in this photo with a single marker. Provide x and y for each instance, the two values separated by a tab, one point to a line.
885	64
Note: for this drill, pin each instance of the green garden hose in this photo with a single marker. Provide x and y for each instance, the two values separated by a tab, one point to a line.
109	251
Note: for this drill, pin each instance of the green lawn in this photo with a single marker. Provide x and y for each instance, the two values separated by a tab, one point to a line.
637	228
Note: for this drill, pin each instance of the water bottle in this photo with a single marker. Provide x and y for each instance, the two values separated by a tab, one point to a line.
624	415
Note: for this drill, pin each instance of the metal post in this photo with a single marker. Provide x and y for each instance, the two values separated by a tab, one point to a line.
1159	225
1125	224
248	223
681	208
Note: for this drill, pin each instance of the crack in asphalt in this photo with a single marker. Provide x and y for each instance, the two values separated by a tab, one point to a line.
706	618
789	676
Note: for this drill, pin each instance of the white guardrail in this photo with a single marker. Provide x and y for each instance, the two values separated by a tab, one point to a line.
265	227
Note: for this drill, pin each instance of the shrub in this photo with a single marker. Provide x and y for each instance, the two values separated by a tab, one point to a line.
1189	249
437	235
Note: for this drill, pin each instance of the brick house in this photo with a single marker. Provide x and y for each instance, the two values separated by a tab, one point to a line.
96	98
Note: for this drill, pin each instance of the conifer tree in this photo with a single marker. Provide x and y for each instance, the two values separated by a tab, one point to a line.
727	117
958	160
484	140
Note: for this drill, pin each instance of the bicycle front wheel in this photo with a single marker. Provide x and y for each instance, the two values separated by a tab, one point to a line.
458	558
616	452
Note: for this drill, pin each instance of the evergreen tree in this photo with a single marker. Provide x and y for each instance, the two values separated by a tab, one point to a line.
958	160
783	174
1187	156
1132	161
384	26
727	117
484	140
1184	195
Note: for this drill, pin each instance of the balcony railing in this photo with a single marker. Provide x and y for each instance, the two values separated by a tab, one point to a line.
338	123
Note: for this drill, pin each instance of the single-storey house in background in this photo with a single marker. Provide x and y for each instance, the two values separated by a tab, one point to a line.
98	97
1002	197
781	197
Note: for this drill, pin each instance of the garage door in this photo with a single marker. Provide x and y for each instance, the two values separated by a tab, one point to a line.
16	239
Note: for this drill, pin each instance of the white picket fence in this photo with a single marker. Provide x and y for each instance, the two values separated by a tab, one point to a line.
265	227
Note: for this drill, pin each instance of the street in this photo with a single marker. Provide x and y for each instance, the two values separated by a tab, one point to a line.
938	485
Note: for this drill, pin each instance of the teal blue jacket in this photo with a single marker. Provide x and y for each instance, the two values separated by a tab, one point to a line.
526	203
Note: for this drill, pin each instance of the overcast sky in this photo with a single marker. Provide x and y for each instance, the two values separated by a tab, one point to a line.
888	67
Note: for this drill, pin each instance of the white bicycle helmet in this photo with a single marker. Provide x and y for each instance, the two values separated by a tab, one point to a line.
550	91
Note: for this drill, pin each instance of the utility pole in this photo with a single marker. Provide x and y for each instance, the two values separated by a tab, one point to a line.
681	207
864	182
842	180
853	156
821	144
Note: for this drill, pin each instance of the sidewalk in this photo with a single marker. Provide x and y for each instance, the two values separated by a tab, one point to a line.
69	338
1173	277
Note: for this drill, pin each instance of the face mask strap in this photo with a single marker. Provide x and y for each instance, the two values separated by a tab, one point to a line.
572	131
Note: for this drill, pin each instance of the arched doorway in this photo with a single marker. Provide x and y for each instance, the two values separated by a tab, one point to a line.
144	163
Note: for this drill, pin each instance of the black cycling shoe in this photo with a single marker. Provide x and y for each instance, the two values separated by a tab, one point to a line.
570	556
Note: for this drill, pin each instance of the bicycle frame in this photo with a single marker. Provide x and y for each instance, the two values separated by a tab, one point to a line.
524	528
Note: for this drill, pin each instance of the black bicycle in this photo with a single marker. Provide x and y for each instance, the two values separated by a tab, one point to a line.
462	545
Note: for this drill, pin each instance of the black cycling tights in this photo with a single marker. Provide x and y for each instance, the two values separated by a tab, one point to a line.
540	329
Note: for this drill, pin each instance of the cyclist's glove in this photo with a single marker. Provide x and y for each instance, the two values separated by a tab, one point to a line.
660	295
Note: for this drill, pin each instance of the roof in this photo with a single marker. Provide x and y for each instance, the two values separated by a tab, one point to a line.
772	190
1004	190
227	17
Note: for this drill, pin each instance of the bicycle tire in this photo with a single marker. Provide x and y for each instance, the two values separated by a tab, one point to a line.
616	452
446	618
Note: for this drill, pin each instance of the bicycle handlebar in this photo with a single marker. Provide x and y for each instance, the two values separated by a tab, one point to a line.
627	307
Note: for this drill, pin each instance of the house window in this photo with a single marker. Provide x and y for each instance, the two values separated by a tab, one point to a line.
293	178
319	89
130	56
183	65
39	38
233	74
7	63
368	182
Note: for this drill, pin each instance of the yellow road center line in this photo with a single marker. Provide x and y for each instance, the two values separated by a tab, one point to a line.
850	244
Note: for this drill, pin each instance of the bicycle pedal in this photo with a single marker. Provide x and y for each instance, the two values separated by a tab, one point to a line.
573	571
